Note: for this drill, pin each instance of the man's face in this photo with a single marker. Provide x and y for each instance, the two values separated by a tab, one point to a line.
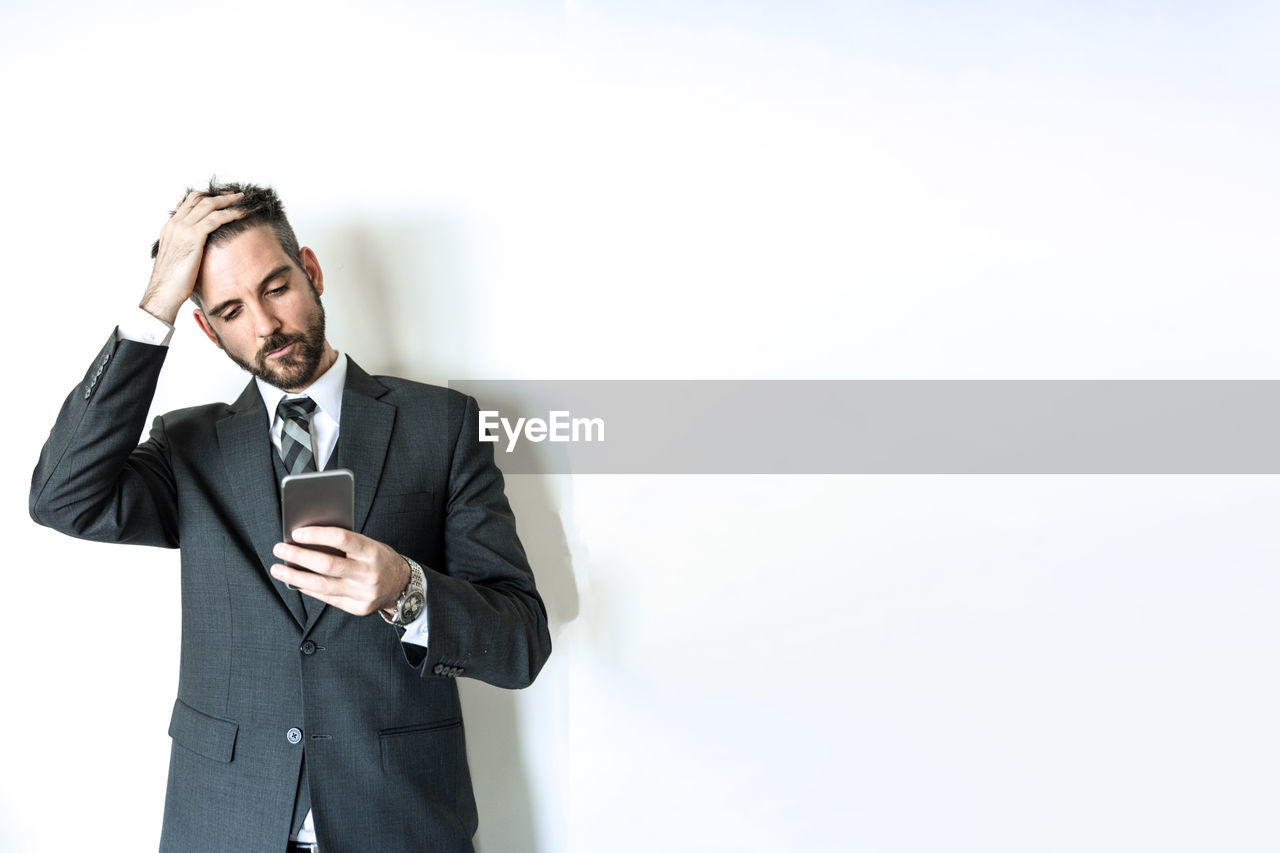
263	310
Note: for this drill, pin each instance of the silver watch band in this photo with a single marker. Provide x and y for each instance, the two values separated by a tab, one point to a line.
413	596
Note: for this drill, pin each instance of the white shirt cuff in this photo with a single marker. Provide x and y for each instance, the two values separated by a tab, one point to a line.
144	328
416	631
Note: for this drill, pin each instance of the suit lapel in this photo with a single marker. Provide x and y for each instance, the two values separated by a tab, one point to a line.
364	436
243	438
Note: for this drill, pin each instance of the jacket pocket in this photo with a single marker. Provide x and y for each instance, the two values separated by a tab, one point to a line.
211	737
437	742
428	763
390	504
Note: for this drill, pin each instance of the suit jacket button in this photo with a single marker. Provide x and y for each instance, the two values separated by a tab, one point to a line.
293	735
308	648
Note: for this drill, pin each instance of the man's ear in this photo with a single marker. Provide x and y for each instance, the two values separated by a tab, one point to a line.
203	322
311	266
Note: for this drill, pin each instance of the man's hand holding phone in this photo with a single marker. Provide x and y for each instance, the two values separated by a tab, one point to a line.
369	578
327	560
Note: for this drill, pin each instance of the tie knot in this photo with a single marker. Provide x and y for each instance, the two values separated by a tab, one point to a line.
299	409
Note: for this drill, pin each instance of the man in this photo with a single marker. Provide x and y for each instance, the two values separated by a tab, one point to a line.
316	710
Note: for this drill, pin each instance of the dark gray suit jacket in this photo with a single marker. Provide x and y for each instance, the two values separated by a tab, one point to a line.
380	724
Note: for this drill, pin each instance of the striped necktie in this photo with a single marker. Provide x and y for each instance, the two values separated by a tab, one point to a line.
295	438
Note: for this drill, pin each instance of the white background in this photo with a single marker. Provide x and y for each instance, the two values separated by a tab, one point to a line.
706	190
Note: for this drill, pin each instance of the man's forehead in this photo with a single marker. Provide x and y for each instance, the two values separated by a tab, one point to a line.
240	262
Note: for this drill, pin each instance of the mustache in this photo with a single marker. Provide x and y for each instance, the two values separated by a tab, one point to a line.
277	341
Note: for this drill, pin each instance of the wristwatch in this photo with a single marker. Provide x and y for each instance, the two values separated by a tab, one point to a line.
412	600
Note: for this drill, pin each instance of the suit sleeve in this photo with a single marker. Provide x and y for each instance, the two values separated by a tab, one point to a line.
94	480
487	619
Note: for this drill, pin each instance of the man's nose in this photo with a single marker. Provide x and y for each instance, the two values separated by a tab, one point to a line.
266	323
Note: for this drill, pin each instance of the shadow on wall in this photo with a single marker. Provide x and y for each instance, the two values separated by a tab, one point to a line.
512	818
398	296
10	832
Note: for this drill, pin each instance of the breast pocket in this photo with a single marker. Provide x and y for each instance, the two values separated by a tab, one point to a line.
410	522
403	502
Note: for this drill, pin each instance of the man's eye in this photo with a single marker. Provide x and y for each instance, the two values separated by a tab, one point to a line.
281	289
230	314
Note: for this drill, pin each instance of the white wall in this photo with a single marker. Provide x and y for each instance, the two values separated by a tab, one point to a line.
707	190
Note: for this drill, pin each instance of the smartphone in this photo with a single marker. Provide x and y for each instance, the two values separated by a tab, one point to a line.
318	499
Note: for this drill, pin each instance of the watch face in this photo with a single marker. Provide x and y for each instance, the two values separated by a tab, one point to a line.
412	607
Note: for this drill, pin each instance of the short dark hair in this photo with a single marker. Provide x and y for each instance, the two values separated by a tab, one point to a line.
264	208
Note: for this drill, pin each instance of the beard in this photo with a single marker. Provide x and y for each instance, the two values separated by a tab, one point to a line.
298	369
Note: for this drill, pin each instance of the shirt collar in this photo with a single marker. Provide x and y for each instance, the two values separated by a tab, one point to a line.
326	391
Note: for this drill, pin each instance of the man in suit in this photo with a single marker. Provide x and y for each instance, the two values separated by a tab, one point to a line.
317	707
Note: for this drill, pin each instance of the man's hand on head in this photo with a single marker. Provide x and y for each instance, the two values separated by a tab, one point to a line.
371	577
181	248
